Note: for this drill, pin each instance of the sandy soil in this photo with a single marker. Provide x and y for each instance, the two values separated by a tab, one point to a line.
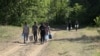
17	48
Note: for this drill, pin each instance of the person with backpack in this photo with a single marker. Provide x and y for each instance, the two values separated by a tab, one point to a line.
42	32
25	32
34	31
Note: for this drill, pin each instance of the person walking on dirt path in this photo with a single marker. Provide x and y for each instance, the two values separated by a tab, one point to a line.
76	25
25	32
34	31
69	25
42	32
47	31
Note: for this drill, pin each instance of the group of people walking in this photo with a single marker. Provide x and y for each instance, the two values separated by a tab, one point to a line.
69	25
43	30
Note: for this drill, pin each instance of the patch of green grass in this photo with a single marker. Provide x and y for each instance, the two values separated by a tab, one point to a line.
91	28
9	32
61	46
97	54
90	31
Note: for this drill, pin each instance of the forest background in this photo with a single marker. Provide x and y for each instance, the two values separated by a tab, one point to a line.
56	12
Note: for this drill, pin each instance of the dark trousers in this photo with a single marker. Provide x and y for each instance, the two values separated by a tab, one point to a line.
35	36
69	28
76	27
42	37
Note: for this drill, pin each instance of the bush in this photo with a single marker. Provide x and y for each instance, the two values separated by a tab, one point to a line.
97	21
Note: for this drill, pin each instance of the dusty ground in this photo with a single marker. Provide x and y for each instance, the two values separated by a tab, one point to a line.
17	48
84	42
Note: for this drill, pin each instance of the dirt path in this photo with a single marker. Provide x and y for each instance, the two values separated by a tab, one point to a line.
19	49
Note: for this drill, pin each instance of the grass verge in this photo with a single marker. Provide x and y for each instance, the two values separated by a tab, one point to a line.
74	43
9	32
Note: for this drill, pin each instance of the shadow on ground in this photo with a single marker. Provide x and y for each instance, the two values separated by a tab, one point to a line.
82	39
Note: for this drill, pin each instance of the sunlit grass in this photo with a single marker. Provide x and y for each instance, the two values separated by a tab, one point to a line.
97	54
9	32
60	46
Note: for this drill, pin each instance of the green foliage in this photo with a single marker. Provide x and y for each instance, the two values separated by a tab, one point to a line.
97	21
15	12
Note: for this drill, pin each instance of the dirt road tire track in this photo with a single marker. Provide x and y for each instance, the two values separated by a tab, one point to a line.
28	49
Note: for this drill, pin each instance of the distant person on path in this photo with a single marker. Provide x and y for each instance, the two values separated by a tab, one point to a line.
25	32
76	25
42	32
69	25
34	31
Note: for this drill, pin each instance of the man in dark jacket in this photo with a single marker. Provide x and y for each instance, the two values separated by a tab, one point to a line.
42	32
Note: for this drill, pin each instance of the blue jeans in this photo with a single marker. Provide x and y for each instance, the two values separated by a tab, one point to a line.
25	37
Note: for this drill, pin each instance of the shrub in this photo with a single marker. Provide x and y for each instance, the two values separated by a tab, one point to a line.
97	21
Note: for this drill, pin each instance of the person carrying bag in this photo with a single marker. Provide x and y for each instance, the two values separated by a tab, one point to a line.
48	34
